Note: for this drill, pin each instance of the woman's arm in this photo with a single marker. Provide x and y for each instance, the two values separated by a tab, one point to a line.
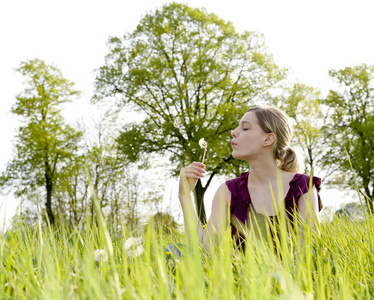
218	221
309	211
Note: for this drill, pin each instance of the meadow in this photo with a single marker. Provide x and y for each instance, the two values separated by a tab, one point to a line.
41	262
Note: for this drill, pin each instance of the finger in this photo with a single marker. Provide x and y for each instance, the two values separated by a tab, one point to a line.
193	175
198	168
194	168
199	164
190	170
196	171
190	174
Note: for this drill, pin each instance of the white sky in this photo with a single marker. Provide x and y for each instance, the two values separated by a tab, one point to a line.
309	37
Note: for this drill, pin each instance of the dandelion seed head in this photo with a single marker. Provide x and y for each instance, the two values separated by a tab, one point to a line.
133	241
203	144
100	255
136	252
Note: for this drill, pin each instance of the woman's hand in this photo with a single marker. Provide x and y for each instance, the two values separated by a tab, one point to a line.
189	176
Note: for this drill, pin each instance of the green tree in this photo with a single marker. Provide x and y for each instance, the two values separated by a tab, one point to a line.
163	221
44	142
192	76
351	125
303	104
351	210
116	183
73	190
106	168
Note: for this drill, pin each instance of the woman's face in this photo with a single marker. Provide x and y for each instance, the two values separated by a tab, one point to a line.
249	140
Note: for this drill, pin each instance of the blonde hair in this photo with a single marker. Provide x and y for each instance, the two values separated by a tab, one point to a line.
274	120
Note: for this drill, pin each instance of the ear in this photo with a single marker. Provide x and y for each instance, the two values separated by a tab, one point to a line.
269	139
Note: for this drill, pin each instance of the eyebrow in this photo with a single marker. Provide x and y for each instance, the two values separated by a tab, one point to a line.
245	122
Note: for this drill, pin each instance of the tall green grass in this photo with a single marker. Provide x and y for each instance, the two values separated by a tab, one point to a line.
58	263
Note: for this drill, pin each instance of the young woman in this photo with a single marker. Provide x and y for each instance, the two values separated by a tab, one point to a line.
262	139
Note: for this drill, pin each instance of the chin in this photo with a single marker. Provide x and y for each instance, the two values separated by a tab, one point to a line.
235	155
241	157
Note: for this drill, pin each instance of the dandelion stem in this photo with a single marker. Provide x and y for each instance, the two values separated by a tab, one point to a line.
204	155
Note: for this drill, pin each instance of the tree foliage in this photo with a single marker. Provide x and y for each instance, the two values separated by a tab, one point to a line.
351	125
351	210
303	104
44	141
192	76
73	192
113	179
163	222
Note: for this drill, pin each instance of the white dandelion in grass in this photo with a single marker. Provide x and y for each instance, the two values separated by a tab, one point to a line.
100	255
136	252
203	144
133	246
133	241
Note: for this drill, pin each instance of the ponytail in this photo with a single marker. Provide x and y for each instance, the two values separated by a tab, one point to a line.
288	161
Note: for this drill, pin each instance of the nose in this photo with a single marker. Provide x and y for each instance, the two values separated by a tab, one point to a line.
233	133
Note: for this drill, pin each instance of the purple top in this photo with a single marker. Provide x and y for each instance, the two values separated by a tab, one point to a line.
241	203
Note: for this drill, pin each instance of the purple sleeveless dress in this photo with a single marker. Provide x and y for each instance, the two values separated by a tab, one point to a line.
241	205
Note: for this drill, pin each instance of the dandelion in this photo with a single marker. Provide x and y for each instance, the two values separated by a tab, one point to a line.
203	144
133	246
136	252
100	255
132	241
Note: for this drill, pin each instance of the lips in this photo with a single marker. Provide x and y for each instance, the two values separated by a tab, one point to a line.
233	144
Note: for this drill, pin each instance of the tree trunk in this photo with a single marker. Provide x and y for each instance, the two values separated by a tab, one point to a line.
311	160
199	201
199	192
49	188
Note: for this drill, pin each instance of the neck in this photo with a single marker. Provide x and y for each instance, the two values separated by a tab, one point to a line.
263	170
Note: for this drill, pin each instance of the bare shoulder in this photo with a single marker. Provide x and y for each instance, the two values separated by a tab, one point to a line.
309	201
223	194
288	176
